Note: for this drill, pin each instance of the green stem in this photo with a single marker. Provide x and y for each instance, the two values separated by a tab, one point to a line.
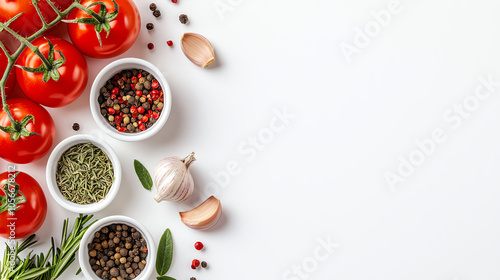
90	12
37	8
24	43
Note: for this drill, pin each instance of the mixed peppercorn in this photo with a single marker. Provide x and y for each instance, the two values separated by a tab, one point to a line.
131	101
118	251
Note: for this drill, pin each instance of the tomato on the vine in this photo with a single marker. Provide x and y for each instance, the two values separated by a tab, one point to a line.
29	22
11	80
123	30
26	149
28	206
73	74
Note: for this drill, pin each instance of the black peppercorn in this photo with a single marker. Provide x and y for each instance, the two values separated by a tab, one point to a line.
76	127
204	264
152	7
150	26
157	13
183	18
192	278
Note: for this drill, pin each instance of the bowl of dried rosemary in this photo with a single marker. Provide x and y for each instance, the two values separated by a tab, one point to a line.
83	174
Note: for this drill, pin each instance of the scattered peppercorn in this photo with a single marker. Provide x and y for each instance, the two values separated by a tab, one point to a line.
198	245
157	13
152	7
150	26
174	1
204	264
196	263
151	46
192	278
76	127
170	43
183	18
117	260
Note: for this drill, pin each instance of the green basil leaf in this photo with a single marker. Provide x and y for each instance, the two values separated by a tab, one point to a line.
143	175
165	253
165	278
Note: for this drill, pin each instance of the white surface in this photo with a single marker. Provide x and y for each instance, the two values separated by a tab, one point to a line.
323	173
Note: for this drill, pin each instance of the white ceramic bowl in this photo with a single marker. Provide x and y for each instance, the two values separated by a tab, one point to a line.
83	253
51	169
108	72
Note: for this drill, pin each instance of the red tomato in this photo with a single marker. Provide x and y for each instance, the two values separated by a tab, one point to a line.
124	30
30	215
29	22
27	148
11	80
73	74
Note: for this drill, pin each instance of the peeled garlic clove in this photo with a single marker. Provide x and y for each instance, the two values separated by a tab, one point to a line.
205	216
197	49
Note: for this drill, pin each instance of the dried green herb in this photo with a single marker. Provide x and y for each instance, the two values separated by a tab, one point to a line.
84	174
143	175
165	253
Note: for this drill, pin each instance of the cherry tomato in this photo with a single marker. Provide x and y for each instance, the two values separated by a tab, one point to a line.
124	30
27	148
30	215
11	80
73	74
29	22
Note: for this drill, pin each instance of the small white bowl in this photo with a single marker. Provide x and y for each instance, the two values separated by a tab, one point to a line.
83	253
108	72
51	169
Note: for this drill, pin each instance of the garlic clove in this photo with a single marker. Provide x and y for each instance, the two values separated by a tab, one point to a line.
205	216
197	49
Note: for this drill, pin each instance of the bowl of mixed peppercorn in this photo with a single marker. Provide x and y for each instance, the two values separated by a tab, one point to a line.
117	247
130	99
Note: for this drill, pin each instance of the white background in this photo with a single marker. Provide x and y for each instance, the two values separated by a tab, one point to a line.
323	175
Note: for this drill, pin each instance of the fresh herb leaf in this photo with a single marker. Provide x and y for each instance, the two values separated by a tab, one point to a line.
165	278
143	175
165	253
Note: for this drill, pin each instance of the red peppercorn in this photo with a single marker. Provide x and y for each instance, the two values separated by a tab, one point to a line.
115	91
170	43
139	75
134	80
133	110
118	119
196	263
122	114
111	111
151	46
154	84
113	96
155	115
142	127
193	267
140	110
198	245
138	93
174	1
120	99
120	128
145	119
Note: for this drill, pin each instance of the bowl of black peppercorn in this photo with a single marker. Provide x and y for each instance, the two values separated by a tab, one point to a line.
117	247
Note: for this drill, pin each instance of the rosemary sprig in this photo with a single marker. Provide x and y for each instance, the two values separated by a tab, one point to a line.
49	266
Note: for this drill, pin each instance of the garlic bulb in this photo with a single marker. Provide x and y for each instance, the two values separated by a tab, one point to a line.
173	179
197	49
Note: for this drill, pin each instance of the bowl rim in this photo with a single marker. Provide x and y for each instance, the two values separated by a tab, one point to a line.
110	70
83	257
52	166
